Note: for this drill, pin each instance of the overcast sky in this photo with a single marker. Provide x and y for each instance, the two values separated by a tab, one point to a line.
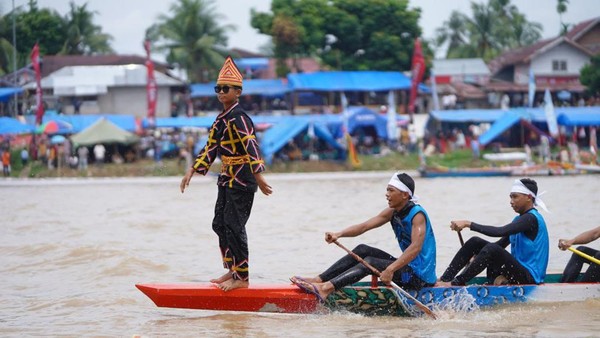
127	20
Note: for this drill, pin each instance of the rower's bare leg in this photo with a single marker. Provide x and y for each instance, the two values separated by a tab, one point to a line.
231	284
227	276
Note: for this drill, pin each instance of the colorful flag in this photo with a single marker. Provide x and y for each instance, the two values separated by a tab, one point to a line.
151	88
531	87
352	154
35	60
550	115
418	70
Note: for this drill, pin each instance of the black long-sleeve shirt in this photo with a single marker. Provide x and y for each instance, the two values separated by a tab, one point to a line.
525	223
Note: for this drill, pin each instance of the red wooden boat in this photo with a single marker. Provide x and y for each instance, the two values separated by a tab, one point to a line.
257	298
363	297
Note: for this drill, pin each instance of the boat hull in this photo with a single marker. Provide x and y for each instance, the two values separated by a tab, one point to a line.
362	298
256	298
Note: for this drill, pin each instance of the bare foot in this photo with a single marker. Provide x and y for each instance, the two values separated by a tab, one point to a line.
325	289
443	284
321	290
310	280
231	284
226	276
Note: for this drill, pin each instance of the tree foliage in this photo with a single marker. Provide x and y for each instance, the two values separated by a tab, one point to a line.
590	76
82	36
561	8
73	34
344	34
192	38
491	29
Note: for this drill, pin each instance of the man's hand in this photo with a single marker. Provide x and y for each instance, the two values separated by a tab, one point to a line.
263	185
185	181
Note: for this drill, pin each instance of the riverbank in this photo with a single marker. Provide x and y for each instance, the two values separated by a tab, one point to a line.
173	167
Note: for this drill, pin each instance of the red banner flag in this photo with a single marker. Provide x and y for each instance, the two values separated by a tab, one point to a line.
151	88
418	70
39	103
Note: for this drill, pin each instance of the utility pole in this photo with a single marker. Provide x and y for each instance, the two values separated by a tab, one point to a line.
14	38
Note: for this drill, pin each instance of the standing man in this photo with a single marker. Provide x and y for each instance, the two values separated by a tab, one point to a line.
413	269
528	238
573	268
6	162
232	138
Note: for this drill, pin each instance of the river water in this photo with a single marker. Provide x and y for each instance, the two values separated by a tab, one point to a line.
72	250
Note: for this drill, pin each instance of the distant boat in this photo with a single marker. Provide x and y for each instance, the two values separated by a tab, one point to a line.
463	172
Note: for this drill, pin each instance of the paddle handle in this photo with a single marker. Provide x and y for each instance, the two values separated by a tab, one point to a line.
584	255
460	238
394	285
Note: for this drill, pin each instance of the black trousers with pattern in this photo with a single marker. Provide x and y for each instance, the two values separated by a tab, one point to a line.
232	211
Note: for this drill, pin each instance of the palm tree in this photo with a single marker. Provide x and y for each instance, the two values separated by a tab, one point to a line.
6	48
493	28
561	7
453	32
481	29
83	37
192	38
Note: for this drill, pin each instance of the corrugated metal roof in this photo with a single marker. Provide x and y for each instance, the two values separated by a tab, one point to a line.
95	80
460	67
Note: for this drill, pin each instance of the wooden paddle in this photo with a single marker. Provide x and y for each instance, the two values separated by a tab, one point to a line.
462	241
394	285
584	255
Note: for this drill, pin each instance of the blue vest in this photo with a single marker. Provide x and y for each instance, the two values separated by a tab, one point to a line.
533	255
424	264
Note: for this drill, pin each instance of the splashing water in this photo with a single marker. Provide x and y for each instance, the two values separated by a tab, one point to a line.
459	302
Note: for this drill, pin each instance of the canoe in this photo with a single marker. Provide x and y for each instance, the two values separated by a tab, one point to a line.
363	297
463	172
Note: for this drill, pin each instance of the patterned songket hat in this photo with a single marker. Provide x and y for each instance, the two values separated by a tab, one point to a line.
229	74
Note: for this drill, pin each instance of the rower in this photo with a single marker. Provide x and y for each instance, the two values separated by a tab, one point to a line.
573	268
527	234
413	269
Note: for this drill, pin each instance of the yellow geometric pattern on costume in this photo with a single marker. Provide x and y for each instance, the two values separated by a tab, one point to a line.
238	269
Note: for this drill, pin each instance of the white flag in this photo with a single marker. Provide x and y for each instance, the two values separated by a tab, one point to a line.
392	124
531	87
550	115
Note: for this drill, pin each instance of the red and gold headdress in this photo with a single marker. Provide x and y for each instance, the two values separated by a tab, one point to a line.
229	74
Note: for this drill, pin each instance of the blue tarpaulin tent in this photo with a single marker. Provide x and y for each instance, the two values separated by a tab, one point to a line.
81	122
365	117
349	81
180	122
579	119
504	119
275	87
7	93
583	116
252	63
276	137
500	125
9	125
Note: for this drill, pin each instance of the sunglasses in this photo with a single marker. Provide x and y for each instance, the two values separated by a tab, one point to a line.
225	89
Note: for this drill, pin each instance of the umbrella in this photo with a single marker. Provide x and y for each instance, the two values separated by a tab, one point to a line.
56	139
54	127
564	95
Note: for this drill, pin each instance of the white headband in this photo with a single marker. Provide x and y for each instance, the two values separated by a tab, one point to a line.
520	188
396	183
